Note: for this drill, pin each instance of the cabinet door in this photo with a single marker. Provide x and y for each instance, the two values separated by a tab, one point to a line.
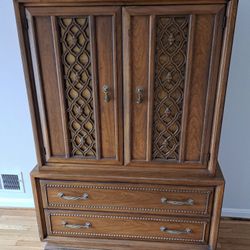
76	55
172	56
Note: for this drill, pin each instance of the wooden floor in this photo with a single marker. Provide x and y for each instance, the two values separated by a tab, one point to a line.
18	231
234	235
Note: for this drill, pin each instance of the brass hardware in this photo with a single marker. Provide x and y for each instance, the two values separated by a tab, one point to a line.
171	231
77	226
188	202
140	95
85	196
106	93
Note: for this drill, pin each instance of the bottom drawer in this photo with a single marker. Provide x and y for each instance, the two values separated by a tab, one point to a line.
123	226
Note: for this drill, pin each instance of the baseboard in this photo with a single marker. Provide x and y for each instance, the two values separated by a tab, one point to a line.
236	212
22	203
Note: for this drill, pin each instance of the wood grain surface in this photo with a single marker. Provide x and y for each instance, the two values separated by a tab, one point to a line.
18	231
171	134
127	198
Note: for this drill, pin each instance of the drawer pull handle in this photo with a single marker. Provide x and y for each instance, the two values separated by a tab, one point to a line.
106	92
85	196
171	231
140	95
77	226
188	202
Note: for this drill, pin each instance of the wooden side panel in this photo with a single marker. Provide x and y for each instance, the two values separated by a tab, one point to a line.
139	84
198	87
49	86
105	69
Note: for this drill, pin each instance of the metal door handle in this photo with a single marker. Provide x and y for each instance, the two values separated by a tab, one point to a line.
188	202
140	95
85	196
106	92
77	226
176	232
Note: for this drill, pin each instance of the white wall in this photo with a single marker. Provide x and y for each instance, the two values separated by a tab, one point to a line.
235	140
16	141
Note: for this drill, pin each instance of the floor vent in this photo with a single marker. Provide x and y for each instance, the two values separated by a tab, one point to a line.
10	182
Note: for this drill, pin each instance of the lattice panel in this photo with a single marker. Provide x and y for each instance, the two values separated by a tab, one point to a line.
76	59
170	64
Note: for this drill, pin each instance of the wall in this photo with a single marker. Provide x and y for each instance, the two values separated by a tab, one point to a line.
16	144
235	140
16	140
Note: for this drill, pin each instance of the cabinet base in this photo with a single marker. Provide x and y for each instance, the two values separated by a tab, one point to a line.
55	242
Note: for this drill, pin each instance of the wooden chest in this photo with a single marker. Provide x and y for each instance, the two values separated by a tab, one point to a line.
127	99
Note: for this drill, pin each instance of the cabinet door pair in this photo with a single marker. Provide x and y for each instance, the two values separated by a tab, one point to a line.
131	85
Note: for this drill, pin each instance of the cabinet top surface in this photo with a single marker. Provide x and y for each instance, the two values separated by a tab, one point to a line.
122	2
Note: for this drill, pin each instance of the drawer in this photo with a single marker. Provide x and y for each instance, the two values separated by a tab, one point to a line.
122	226
150	199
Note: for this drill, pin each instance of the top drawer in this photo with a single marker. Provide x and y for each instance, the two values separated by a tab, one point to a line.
151	199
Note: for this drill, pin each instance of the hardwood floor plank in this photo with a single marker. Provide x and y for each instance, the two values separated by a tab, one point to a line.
18	230
234	235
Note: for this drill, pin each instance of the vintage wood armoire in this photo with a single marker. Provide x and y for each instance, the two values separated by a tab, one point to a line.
127	99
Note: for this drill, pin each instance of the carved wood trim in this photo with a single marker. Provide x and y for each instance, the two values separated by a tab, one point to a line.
128	208
126	236
78	84
130	188
170	72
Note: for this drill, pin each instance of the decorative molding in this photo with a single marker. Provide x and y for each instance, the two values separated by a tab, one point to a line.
127	217
137	209
132	188
78	81
169	81
126	236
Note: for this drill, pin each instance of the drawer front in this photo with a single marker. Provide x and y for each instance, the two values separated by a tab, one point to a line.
151	199
119	226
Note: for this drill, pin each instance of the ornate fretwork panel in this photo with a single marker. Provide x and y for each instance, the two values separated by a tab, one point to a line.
170	64
78	85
